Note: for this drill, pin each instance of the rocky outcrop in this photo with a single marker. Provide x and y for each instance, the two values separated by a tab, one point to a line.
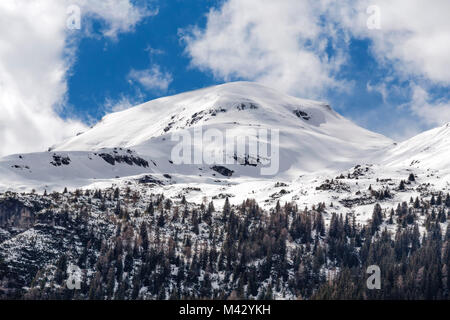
130	159
223	171
14	213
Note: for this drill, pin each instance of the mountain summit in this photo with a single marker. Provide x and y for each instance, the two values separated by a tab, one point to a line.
236	104
312	138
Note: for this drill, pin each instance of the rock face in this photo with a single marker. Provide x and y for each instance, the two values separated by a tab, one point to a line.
128	159
223	171
14	213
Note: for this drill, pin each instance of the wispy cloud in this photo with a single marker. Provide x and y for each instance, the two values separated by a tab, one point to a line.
118	16
122	103
152	79
430	112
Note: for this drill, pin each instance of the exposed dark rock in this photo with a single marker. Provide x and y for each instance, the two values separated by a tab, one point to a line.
247	105
169	126
302	114
246	161
223	196
14	213
280	184
59	160
279	194
223	171
189	189
150	179
128	159
214	112
334	185
348	203
20	167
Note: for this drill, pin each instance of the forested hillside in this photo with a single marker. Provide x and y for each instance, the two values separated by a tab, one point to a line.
138	245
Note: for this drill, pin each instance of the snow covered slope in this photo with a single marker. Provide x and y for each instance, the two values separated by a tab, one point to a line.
49	170
312	138
428	150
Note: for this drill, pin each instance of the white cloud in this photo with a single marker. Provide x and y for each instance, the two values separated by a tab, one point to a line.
381	88
119	15
286	40
414	37
280	43
284	44
154	51
152	78
36	53
434	113
414	42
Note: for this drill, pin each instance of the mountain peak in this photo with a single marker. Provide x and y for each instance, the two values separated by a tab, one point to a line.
239	103
311	138
248	89
232	93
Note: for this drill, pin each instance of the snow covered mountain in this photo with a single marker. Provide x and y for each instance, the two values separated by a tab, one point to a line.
240	105
316	145
312	138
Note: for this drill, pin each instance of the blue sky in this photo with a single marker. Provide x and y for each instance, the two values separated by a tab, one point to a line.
54	82
103	64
